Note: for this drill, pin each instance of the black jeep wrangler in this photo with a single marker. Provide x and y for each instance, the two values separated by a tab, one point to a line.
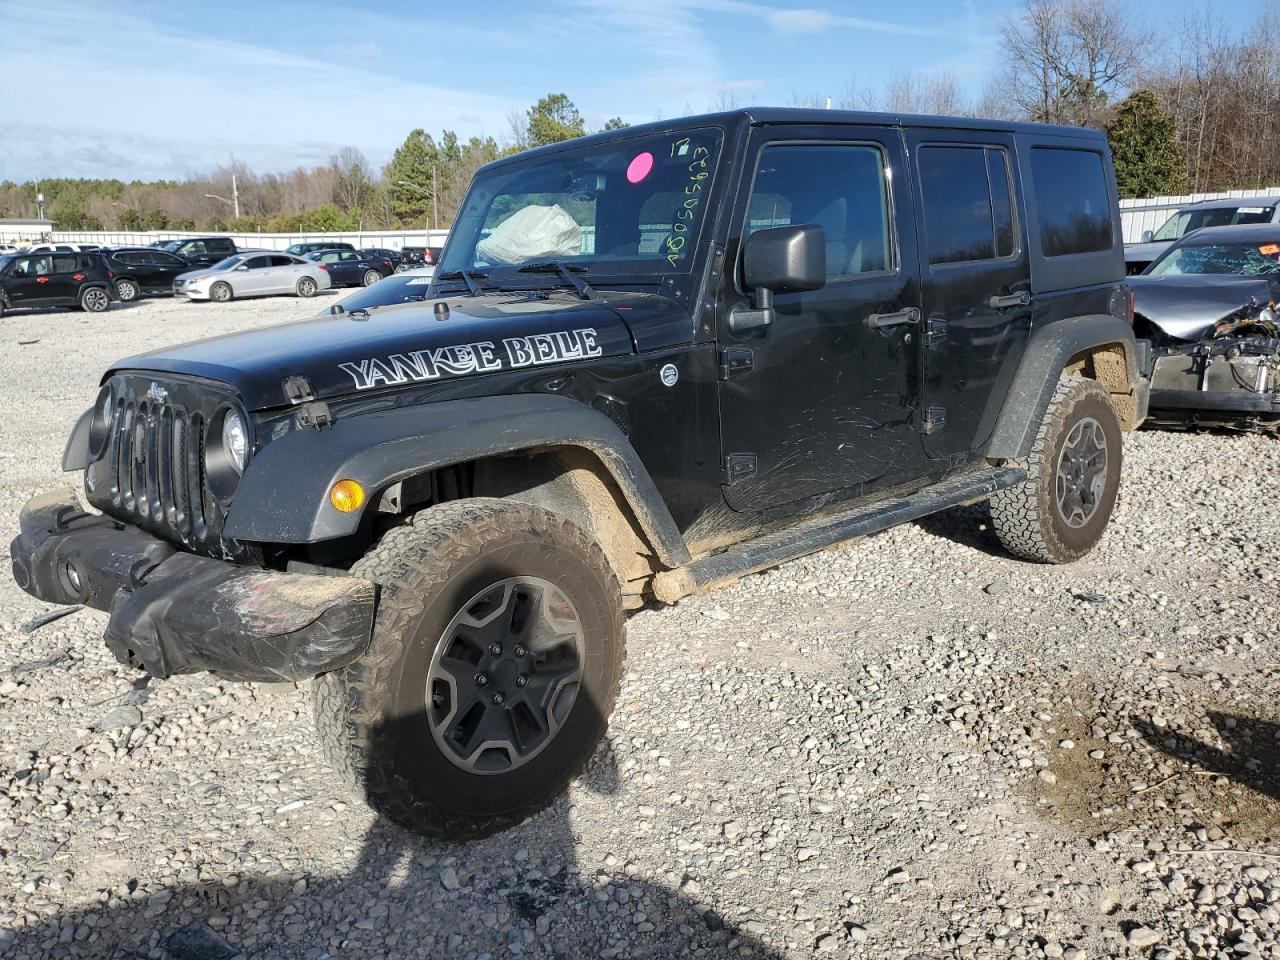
651	362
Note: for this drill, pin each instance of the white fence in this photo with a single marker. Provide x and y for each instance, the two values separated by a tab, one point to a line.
393	239
1151	213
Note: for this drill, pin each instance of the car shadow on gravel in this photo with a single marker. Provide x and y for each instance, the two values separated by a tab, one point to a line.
1251	758
520	891
967	526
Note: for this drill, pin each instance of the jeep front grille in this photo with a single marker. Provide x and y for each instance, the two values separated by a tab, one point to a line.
152	473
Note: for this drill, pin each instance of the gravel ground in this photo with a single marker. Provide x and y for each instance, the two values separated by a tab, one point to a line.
911	747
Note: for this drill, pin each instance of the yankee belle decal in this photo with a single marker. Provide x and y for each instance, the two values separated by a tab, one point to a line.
482	357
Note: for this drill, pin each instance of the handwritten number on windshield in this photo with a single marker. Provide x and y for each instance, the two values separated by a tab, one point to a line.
686	213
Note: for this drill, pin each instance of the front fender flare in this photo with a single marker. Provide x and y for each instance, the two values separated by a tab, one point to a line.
283	496
1049	351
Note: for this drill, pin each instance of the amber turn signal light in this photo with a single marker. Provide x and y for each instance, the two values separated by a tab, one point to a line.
347	496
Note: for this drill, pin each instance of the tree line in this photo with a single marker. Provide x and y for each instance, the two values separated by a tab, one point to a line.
1193	107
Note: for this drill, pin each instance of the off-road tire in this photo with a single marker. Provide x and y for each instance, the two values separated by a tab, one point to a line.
370	278
220	292
1027	517
94	300
372	715
306	287
127	290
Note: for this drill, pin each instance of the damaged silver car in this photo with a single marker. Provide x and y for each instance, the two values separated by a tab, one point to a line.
1207	321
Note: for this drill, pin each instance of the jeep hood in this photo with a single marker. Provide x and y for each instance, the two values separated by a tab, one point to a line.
1186	307
389	347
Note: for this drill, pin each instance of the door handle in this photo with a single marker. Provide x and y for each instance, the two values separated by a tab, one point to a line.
1019	299
884	321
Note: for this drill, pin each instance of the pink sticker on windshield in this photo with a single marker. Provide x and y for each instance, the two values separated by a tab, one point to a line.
640	167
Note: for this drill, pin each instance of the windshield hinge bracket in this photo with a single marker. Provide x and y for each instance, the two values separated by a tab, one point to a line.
297	389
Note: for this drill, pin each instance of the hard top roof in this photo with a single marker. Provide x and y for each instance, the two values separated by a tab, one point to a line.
1230	203
813	116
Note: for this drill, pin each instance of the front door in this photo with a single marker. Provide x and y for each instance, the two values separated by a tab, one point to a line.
27	283
977	285
255	277
825	400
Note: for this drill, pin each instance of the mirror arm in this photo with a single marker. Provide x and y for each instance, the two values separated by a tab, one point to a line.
742	319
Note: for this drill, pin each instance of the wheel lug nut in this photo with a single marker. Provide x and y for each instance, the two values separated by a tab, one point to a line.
522	680
481	680
498	699
519	651
495	649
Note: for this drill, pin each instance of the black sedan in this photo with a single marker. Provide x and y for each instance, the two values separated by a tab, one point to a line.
384	253
139	270
352	268
1206	314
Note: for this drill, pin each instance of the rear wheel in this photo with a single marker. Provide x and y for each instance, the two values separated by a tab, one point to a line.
94	300
126	290
371	277
1059	513
306	287
495	663
221	292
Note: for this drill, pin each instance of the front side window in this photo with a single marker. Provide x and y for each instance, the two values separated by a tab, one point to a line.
627	206
1243	259
1072	200
194	248
968	206
31	267
841	188
258	263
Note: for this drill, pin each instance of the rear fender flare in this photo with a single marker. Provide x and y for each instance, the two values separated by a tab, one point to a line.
1051	350
283	496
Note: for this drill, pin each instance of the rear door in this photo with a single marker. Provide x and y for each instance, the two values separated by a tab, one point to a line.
284	273
65	278
825	399
165	267
976	284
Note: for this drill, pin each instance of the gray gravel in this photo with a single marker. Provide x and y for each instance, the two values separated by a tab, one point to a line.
914	746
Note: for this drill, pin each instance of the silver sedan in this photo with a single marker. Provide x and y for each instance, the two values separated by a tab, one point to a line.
253	275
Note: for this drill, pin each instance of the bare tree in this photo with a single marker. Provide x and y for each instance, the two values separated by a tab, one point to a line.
352	180
1069	59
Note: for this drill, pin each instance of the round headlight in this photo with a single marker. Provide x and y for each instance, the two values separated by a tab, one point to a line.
100	424
235	440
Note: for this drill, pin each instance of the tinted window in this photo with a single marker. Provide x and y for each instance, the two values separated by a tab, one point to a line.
220	246
167	260
1072	199
842	189
968	210
258	263
65	265
282	261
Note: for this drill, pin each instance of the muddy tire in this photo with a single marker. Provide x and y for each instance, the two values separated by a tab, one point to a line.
495	662
1059	513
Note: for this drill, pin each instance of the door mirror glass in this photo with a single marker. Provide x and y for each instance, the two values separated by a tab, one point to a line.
1147	235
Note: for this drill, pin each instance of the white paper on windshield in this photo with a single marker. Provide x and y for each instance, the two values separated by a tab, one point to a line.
532	233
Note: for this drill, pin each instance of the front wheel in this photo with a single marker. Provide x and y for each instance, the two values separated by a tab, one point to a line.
221	292
1059	513
306	287
94	300
495	662
371	277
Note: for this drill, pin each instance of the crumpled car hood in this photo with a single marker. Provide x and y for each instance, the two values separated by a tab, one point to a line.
1188	307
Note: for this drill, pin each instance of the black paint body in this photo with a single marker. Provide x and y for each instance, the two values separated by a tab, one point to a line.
826	406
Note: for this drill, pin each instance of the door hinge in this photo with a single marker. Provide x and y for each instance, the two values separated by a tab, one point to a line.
739	466
736	362
935	418
935	331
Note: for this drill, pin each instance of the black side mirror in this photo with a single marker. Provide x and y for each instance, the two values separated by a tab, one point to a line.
780	260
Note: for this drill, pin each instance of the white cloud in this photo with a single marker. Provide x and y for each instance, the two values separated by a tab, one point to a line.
801	21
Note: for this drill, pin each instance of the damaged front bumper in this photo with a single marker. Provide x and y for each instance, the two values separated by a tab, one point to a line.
1226	382
174	612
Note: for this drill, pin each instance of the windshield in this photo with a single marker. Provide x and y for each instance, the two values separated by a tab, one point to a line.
397	288
627	206
1185	221
172	245
1243	259
6	259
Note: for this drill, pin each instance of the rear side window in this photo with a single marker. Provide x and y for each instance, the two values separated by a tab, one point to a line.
968	205
220	246
65	264
282	261
841	188
1072	200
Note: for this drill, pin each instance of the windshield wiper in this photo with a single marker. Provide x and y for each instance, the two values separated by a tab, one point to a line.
566	271
470	277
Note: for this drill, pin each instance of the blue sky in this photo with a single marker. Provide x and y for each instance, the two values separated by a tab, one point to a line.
162	89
